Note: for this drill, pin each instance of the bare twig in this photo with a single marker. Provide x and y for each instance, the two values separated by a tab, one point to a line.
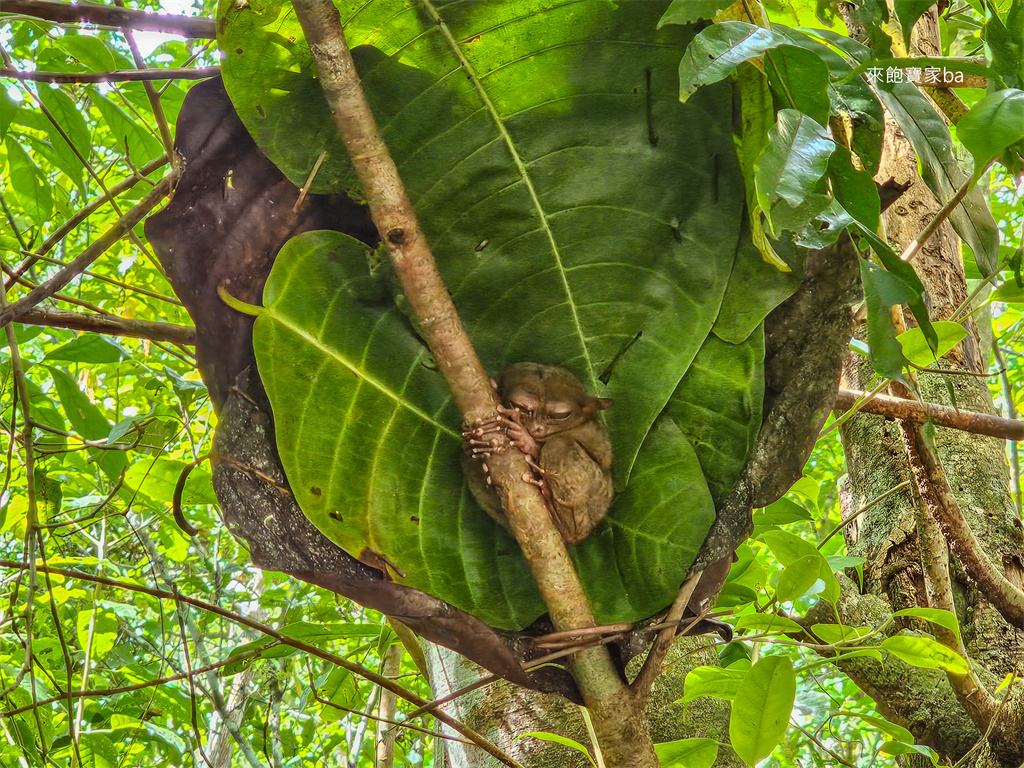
656	656
911	410
89	255
110	325
114	76
105	15
356	669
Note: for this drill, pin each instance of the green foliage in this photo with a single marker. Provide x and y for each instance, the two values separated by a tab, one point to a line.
104	406
560	280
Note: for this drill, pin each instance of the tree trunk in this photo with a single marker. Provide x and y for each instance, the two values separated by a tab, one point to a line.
905	552
502	711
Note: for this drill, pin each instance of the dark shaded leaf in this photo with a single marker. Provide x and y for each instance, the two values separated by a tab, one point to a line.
800	81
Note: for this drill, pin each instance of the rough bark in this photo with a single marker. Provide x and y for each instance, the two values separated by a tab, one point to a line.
888	536
502	712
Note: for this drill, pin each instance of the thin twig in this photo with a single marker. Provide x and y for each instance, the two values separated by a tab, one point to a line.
933	226
114	76
94	13
89	255
656	656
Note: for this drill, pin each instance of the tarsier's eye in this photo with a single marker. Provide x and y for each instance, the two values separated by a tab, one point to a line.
559	414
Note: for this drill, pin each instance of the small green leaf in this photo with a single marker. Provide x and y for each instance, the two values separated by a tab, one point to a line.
88	348
714	53
993	124
104	631
798	578
934	615
908	12
882	290
916	350
1009	292
926	653
781	512
29	184
789	171
790	549
903	748
342	694
91	51
761	708
687	753
711	681
839	633
768	622
855	190
897	732
556	739
687	11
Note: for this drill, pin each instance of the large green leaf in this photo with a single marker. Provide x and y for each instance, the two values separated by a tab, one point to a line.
571	201
379	467
580	215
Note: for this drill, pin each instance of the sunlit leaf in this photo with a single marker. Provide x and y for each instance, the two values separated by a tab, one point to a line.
761	708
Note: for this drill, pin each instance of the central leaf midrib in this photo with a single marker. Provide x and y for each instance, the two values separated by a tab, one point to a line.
524	175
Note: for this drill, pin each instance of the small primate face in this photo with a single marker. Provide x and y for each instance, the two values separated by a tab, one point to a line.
550	399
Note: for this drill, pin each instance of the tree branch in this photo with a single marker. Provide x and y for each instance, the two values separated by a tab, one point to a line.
603	691
94	13
89	255
931	480
111	325
85	212
911	410
118	75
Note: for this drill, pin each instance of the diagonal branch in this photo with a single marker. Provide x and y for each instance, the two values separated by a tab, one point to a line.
618	720
105	15
930	477
89	255
110	325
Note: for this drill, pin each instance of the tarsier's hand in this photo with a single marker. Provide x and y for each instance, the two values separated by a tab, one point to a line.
518	435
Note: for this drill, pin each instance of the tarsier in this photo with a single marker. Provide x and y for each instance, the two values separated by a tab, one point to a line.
551	419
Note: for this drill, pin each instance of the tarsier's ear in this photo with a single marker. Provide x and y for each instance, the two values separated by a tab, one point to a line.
598	404
494	383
